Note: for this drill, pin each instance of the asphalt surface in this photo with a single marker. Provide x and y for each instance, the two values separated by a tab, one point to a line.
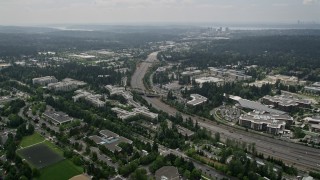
298	155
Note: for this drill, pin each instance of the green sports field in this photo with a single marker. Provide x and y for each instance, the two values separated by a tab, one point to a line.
62	170
32	139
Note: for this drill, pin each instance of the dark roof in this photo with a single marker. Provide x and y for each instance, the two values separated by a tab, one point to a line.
59	117
169	172
108	133
258	106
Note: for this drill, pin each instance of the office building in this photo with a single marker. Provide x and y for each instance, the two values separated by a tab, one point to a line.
285	102
44	80
197	99
261	121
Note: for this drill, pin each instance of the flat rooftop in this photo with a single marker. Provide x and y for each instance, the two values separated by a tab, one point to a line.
59	117
255	105
197	99
110	140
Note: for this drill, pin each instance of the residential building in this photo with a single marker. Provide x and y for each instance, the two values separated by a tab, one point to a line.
44	80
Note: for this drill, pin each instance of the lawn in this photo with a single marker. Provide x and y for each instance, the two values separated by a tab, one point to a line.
32	139
62	170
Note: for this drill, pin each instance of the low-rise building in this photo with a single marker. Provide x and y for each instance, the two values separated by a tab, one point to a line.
115	89
124	114
145	112
56	117
261	121
315	128
110	140
234	75
167	173
191	73
66	84
184	131
4	65
287	80
286	103
197	99
314	88
203	80
94	99
44	80
312	120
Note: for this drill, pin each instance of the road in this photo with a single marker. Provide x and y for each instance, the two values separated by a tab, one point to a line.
301	156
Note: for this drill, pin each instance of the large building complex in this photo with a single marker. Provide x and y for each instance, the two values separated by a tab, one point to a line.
94	99
124	114
253	105
66	84
285	102
44	80
261	121
233	75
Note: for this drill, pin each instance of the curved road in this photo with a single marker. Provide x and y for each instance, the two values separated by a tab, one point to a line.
301	156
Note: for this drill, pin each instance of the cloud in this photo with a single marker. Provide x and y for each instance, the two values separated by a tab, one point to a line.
310	2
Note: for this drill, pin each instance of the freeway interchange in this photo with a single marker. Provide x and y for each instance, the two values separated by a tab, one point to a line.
304	157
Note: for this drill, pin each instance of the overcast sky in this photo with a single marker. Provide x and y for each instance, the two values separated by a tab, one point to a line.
18	12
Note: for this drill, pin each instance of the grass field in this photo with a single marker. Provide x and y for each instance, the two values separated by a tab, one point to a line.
30	140
62	170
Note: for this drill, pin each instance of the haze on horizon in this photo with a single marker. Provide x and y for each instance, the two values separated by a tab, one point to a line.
27	12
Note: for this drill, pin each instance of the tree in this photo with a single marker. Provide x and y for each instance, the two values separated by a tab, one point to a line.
139	174
195	174
217	136
94	156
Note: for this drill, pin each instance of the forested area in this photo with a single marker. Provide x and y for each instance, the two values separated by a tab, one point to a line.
28	41
295	52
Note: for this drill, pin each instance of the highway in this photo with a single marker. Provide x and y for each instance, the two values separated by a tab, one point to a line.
304	157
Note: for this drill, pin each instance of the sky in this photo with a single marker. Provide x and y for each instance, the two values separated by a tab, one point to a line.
22	12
